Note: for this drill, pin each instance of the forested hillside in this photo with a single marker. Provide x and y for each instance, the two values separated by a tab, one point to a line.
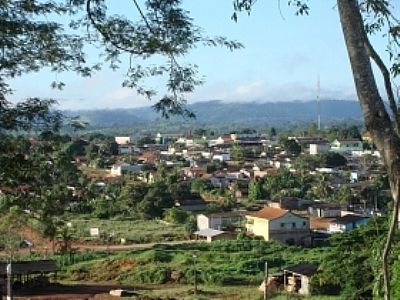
216	112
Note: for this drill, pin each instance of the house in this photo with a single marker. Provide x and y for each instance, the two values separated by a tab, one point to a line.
280	225
218	220
325	210
347	223
149	157
308	140
290	203
222	157
260	172
124	168
127	148
347	145
297	278
318	148
123	140
167	137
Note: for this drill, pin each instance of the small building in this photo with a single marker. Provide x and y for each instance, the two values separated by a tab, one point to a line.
347	223
279	225
222	157
123	140
319	148
23	271
325	210
124	168
209	235
297	278
347	145
290	203
218	220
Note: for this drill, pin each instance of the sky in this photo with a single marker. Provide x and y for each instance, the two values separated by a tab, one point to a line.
283	59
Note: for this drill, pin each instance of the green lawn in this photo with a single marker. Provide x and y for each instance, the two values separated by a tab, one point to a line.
140	231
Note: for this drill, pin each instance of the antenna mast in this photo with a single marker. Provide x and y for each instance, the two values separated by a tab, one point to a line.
318	104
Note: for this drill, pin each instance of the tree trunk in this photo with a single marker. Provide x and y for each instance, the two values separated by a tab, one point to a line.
377	120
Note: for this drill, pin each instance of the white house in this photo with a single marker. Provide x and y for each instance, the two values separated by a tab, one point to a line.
122	140
222	157
218	220
124	168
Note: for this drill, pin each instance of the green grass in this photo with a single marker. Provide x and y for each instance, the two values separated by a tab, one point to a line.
140	231
218	264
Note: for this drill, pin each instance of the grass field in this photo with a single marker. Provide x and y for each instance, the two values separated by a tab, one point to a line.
140	231
218	264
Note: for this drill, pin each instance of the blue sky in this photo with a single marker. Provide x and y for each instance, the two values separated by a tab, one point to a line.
283	56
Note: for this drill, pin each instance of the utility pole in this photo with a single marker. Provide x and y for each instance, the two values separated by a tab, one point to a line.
9	281
195	274
266	281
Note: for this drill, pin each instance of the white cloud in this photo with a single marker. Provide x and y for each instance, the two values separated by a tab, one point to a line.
260	90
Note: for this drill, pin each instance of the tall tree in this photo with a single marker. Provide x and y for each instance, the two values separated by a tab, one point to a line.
359	18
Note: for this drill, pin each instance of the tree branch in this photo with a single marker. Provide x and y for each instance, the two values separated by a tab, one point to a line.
104	34
386	77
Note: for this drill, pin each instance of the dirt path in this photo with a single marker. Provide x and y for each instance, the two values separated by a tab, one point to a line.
87	247
78	247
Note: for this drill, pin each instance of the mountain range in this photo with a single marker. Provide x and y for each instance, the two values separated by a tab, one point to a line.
221	112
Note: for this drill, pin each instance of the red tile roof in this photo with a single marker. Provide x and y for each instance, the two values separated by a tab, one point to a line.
270	213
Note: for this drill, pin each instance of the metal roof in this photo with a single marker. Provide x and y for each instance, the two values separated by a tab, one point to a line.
209	232
307	269
29	267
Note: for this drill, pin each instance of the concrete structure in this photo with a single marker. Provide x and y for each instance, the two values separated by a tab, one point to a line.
325	210
218	220
124	168
279	225
297	278
319	148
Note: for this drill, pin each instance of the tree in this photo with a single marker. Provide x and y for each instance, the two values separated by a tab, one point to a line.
320	189
344	195
238	153
332	160
272	132
307	162
256	190
358	19
176	216
291	147
356	255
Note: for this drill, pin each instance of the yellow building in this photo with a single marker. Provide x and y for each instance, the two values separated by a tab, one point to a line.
279	225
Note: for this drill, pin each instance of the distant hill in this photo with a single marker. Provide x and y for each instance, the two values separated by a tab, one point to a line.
217	112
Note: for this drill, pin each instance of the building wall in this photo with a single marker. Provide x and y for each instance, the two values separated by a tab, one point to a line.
258	226
121	140
289	228
318	148
288	222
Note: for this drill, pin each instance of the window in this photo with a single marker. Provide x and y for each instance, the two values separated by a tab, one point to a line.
304	224
293	225
282	225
